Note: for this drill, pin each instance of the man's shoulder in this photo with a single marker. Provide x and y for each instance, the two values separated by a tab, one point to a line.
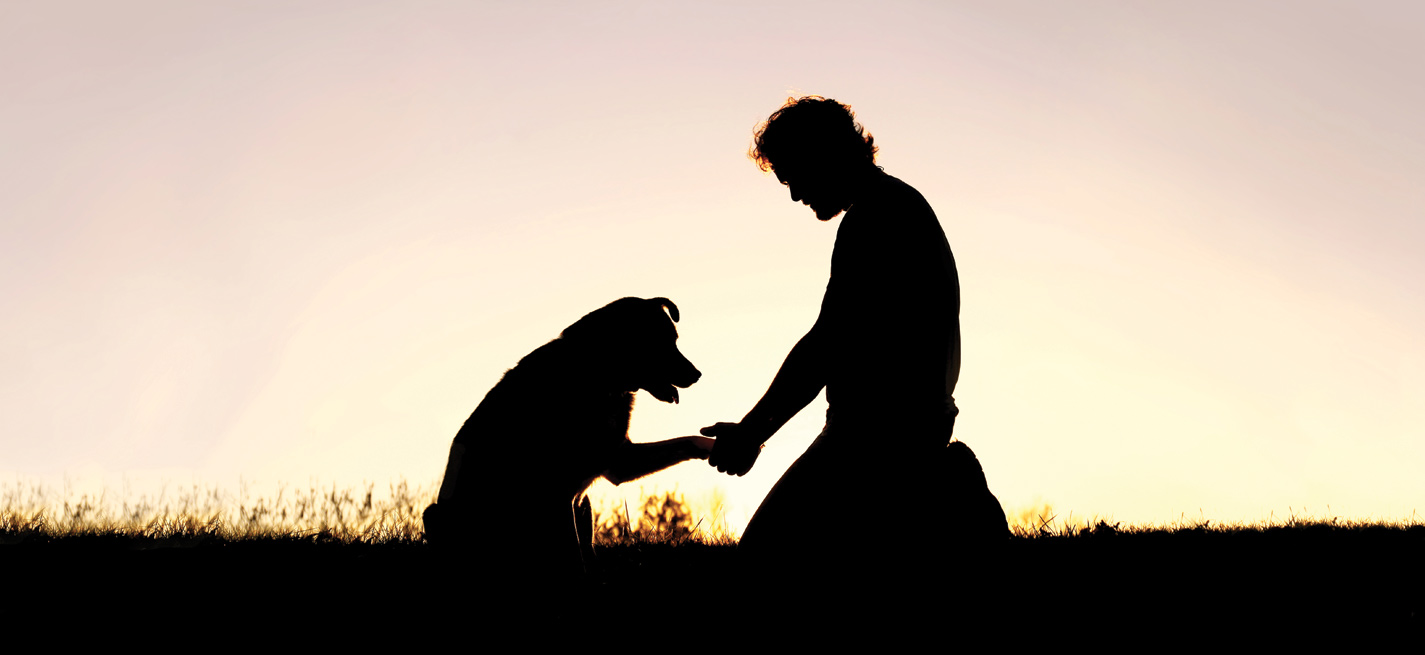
892	206
890	192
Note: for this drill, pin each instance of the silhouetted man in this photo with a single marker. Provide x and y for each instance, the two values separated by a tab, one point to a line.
886	347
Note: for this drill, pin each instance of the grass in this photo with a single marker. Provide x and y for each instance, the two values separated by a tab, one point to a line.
359	515
1043	521
351	515
341	555
345	515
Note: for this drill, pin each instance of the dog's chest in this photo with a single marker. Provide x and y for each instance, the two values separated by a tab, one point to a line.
602	422
597	431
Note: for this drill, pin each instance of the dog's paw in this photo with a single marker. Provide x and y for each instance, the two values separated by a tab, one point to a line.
701	446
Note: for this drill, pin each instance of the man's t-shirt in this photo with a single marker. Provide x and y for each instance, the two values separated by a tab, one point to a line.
892	314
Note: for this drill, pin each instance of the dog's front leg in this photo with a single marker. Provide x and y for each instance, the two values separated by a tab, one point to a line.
635	460
584	528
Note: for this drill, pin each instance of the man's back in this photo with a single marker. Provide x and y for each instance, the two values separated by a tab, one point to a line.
892	312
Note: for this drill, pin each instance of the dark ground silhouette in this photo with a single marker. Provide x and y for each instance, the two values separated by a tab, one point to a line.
1362	584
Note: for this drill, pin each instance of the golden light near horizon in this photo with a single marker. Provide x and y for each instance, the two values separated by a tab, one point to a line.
289	244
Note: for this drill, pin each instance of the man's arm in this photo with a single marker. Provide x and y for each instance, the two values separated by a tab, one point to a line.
801	378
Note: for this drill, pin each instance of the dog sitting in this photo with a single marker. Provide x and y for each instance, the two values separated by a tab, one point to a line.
515	482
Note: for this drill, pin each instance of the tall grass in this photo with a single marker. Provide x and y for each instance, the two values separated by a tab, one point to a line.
361	515
196	512
1041	520
665	517
314	511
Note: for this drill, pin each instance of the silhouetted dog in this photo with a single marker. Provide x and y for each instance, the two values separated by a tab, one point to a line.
514	485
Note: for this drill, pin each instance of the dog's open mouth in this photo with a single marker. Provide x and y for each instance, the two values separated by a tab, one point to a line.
664	392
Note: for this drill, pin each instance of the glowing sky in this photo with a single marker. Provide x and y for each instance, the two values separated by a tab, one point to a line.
300	241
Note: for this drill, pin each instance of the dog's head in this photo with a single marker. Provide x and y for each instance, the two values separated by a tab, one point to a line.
637	344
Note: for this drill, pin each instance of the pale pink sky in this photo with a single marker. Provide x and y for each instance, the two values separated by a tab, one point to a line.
301	242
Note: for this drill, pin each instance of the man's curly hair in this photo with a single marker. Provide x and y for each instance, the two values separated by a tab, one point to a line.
811	125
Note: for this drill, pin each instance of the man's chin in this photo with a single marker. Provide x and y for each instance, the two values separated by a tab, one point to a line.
825	214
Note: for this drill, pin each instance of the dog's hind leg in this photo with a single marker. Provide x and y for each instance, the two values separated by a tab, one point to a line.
584	528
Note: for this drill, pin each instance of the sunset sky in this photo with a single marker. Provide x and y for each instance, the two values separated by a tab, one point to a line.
289	242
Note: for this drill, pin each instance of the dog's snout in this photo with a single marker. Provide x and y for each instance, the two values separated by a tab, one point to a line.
686	373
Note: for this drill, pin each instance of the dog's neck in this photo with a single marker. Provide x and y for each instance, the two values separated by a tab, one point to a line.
590	368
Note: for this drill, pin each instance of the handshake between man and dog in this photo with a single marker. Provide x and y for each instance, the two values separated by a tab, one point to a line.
514	487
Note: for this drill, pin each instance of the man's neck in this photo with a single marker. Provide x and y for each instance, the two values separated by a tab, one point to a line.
861	183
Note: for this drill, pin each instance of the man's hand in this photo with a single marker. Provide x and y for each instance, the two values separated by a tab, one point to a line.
735	451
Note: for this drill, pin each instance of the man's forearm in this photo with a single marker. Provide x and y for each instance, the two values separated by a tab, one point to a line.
800	379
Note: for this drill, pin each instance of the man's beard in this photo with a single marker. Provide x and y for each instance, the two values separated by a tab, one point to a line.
826	212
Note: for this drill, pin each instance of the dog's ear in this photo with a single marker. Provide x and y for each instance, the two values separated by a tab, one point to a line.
668	305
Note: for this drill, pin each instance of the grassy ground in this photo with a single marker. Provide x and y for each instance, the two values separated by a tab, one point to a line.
370	568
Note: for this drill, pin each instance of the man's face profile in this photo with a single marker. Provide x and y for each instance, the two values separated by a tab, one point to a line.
819	151
813	186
